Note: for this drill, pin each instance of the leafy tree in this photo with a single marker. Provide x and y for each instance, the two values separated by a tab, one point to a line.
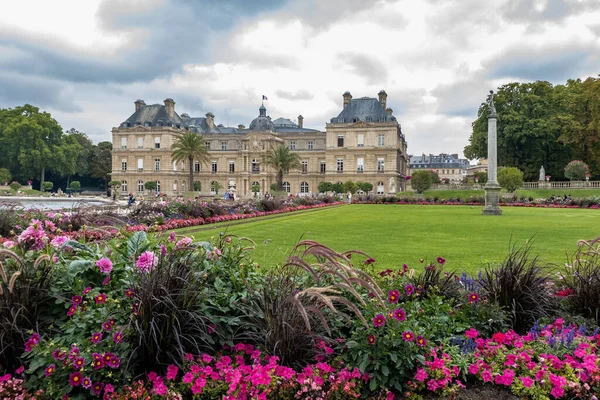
365	186
481	177
5	175
47	186
325	187
215	187
101	162
510	178
435	178
350	186
337	187
150	186
273	187
576	170
282	160
75	185
190	147
32	142
421	181
114	184
15	186
197	186
84	156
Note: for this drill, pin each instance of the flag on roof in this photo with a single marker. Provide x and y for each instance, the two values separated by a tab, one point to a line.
264	97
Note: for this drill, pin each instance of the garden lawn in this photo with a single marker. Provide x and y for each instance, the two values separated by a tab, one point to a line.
397	234
535	193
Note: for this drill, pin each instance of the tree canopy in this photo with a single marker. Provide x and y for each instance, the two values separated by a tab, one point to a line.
542	125
190	147
282	159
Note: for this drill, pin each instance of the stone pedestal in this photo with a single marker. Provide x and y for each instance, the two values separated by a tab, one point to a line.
492	198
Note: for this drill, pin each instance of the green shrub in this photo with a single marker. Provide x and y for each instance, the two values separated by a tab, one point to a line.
46	186
197	186
481	177
421	181
337	187
350	186
325	187
580	283
150	186
365	186
5	176
75	185
576	170
15	186
510	178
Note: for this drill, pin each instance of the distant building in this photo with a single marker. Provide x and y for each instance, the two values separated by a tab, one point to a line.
481	166
448	166
363	143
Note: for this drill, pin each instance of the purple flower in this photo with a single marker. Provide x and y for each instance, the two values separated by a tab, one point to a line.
393	296
400	315
104	265
50	370
96	337
409	289
76	300
75	379
118	337
379	320
147	261
97	388
107	326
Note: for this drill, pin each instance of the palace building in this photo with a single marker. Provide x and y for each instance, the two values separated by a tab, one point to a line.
364	143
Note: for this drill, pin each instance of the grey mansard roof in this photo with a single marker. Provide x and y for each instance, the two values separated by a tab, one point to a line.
363	109
153	114
438	161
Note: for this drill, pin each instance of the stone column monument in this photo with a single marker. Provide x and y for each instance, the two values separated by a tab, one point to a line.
492	189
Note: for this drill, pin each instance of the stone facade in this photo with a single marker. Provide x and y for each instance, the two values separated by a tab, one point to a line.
363	143
447	166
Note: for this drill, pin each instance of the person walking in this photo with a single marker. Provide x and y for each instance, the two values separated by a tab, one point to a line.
349	195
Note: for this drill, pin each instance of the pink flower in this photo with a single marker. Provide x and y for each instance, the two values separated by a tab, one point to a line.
9	244
49	370
75	379
379	320
172	372
104	265
96	337
526	381
473	369
100	299
147	261
393	296
408	336
409	289
185	242
399	315
421	375
471	333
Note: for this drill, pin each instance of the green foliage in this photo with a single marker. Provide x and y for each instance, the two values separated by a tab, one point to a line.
337	187
114	184
325	187
273	187
510	178
75	185
519	284
189	147
47	186
150	185
101	161
15	186
197	186
282	160
580	282
5	175
255	188
481	177
421	181
435	178
576	170
350	186
215	186
365	186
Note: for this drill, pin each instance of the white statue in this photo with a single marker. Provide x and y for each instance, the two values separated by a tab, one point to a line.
542	174
392	185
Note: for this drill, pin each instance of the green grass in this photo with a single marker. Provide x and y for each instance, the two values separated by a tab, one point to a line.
397	234
535	193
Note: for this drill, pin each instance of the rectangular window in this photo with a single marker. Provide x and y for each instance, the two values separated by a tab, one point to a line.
305	167
140	142
157	164
123	142
340	141
340	165
231	166
207	145
322	167
223	145
124	165
360	165
214	166
309	145
381	140
361	140
140	164
452	171
196	166
380	164
292	145
157	142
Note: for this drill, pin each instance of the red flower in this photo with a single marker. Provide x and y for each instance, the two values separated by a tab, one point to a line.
371	339
499	337
564	293
421	342
473	298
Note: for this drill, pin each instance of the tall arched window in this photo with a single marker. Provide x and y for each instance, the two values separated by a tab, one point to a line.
140	186
304	187
124	186
286	186
380	188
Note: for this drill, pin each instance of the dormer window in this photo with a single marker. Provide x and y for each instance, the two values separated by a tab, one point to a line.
147	123
159	123
128	125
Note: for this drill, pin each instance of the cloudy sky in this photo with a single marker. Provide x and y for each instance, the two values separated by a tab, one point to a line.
86	62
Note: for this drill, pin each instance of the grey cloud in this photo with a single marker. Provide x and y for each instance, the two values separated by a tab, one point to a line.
298	95
554	10
462	97
551	63
366	66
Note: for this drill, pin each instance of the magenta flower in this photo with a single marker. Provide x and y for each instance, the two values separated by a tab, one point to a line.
118	337
393	296
86	382
371	339
100	299
421	342
129	292
527	381
76	300
421	375
97	388
111	360
147	261
408	336
409	289
400	315
96	337
471	333
71	311
75	379
172	371
107	326
50	370
78	363
440	260
87	290
104	265
379	320
473	298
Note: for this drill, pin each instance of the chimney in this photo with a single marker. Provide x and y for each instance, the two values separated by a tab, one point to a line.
347	97
389	111
138	104
210	120
170	106
241	127
383	98
300	121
